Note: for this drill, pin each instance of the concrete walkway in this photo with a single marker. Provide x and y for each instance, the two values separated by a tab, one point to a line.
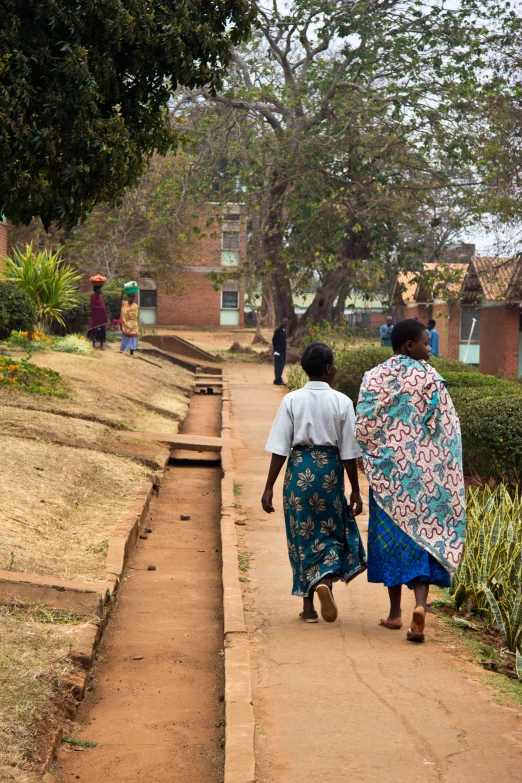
352	701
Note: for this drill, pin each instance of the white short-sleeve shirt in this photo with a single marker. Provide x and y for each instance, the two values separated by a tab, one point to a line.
315	415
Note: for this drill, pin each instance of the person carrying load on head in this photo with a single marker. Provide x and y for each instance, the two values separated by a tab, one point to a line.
99	319
129	318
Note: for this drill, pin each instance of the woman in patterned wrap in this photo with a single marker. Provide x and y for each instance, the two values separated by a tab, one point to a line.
409	432
129	318
314	429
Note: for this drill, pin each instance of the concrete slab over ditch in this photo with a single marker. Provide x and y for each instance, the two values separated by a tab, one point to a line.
81	598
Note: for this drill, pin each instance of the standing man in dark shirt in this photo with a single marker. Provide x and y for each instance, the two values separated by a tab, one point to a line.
279	343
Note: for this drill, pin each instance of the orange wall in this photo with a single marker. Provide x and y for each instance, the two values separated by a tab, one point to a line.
448	327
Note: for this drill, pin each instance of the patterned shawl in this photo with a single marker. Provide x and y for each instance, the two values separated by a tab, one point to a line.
129	319
409	432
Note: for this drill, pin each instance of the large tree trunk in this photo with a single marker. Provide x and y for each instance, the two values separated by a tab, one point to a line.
267	305
338	311
321	306
273	251
354	248
283	299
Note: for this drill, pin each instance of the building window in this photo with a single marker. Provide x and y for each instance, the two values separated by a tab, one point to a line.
230	300
230	240
467	314
232	218
230	258
148	298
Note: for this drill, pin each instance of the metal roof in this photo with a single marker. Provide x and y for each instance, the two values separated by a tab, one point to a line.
500	278
412	284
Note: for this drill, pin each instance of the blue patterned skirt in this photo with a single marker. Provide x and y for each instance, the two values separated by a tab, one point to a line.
396	559
321	531
128	343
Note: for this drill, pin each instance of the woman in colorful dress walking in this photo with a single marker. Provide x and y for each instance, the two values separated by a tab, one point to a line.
314	430
129	318
409	432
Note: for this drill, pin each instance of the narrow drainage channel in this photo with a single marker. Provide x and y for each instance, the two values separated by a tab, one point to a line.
154	704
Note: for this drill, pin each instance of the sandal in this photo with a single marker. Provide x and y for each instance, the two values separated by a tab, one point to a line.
309	617
389	626
329	611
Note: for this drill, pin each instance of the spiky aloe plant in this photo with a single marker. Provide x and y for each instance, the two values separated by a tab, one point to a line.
489	579
46	279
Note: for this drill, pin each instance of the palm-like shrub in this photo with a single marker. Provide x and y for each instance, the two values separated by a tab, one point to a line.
47	280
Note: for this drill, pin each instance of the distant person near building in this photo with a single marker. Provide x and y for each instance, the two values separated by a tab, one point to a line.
99	319
279	343
385	331
129	318
434	337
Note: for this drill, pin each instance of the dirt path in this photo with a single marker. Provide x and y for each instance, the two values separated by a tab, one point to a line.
352	701
156	717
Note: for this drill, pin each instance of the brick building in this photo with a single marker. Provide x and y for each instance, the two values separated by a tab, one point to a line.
482	324
221	248
491	294
414	299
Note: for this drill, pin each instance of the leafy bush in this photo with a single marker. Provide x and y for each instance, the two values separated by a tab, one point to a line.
340	337
29	341
23	375
445	366
16	310
476	380
351	366
491	433
296	377
72	343
489	578
76	318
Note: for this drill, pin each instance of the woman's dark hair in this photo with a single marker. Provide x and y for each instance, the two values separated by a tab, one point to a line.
409	329
316	357
97	289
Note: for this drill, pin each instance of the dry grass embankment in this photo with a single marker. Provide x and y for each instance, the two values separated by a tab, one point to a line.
59	505
34	647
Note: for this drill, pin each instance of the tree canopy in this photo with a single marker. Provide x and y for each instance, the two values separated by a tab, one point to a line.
359	127
149	234
84	93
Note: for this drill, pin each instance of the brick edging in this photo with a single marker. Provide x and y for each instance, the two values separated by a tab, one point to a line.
239	711
125	536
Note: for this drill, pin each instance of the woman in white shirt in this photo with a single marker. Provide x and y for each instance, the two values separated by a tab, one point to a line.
314	427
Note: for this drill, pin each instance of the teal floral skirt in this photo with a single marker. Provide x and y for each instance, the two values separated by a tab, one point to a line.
321	531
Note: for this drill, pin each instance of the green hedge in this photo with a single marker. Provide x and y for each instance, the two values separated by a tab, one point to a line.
77	317
489	408
17	313
491	424
352	364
